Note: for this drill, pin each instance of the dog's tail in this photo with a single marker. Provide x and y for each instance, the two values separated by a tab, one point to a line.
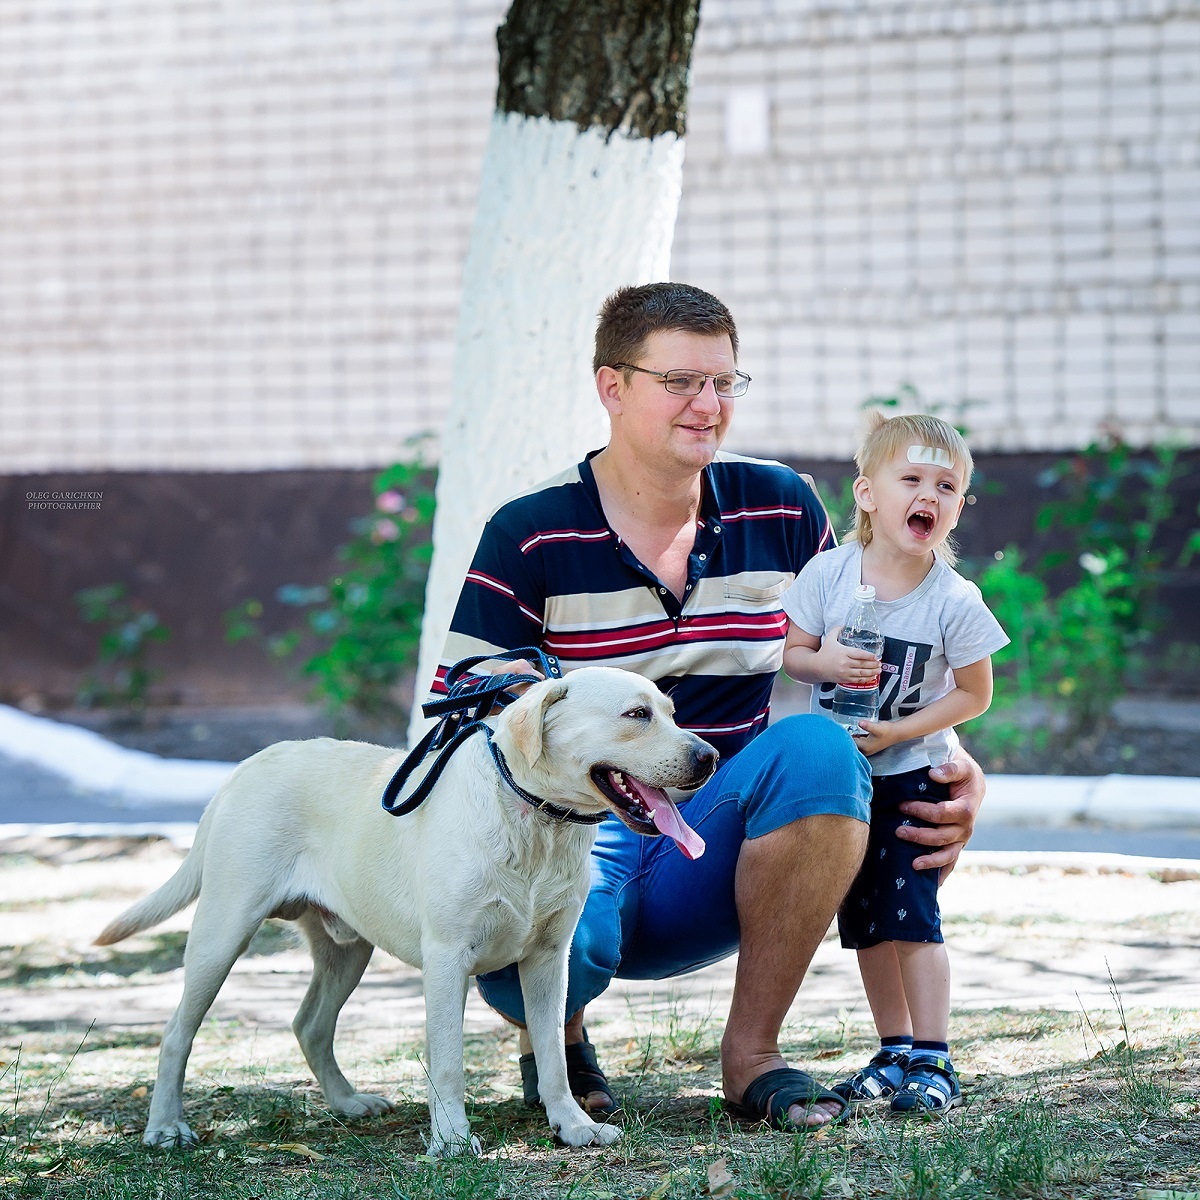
178	892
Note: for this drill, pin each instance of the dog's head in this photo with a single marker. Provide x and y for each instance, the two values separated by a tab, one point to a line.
603	738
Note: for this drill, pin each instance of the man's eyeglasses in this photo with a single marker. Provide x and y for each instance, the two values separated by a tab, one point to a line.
727	385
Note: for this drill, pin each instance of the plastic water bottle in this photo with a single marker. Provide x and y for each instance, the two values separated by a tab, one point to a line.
859	701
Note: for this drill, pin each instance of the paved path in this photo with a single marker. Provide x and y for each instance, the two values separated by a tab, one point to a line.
1046	936
57	777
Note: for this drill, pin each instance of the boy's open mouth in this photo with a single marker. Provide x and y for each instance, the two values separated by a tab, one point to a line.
921	523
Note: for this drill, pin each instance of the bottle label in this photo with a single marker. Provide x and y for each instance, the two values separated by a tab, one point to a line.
869	686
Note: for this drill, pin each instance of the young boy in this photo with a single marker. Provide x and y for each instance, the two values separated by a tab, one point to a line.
935	672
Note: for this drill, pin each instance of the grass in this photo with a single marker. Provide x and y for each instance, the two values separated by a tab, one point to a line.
1058	1103
1106	1123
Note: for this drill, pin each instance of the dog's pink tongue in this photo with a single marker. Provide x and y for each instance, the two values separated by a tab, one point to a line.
668	819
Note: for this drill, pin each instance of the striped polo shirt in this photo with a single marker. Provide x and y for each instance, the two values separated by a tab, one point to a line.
550	571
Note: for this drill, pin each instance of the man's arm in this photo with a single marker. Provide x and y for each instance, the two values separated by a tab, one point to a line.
499	608
953	819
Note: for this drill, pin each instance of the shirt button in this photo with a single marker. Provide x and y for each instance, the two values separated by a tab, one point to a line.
716	529
662	591
704	558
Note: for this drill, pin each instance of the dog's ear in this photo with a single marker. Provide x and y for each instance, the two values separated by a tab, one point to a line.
527	715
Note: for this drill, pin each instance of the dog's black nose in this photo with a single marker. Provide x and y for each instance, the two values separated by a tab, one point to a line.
704	757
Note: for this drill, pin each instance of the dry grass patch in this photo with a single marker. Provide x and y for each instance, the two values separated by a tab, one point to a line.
1038	1121
1059	1103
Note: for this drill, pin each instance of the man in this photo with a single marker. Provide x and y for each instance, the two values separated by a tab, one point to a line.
660	556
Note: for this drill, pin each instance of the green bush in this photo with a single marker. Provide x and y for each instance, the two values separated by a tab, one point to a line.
122	674
1082	617
1067	658
362	629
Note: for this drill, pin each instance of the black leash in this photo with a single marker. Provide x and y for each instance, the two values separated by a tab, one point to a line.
461	711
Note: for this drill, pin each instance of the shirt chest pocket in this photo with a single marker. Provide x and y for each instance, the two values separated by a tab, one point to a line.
757	624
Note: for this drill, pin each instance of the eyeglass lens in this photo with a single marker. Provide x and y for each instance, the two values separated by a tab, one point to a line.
691	383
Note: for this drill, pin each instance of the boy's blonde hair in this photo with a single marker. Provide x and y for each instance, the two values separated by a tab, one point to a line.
887	437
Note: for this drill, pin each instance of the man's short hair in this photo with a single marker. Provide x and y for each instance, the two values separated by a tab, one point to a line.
631	314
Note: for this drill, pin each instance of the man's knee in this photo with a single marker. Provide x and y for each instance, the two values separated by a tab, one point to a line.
824	749
807	766
596	948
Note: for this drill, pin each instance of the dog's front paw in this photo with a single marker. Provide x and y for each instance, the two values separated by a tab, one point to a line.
589	1133
360	1104
440	1147
177	1136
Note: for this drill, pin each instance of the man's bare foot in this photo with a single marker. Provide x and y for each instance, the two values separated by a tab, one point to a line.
737	1076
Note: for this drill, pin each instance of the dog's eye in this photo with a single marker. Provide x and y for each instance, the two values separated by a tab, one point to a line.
638	714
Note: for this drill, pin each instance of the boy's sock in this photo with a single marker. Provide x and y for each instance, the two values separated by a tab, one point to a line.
894	1072
930	1052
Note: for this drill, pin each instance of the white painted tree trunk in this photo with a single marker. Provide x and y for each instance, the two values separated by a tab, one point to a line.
565	217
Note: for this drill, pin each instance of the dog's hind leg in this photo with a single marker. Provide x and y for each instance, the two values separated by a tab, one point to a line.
445	978
337	968
218	936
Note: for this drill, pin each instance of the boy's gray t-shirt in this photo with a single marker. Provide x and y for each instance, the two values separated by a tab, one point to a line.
941	625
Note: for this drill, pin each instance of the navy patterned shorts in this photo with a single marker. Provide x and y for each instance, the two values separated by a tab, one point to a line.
889	901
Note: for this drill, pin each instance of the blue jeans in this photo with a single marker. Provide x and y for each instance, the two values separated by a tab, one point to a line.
651	913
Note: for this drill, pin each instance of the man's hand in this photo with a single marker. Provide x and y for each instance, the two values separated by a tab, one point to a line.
519	666
954	819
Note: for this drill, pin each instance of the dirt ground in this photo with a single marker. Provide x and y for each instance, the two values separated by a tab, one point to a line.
1076	1032
1042	938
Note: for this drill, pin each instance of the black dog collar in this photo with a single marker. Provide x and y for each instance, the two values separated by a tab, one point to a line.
476	696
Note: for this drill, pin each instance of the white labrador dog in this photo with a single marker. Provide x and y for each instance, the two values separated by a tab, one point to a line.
472	880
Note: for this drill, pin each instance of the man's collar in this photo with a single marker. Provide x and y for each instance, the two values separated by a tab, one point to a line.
710	502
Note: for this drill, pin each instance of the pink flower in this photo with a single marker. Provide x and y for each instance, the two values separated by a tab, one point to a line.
384	531
389	501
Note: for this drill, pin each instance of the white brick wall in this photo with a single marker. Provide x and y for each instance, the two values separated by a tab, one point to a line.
232	236
1001	205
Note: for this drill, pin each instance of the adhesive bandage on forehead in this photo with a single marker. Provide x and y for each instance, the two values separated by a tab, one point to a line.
933	456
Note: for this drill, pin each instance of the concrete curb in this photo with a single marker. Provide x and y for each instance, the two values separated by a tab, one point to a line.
178	833
1072	862
1106	801
90	761
1023	862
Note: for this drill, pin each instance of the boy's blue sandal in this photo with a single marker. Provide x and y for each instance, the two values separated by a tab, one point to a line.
769	1097
878	1080
583	1074
930	1086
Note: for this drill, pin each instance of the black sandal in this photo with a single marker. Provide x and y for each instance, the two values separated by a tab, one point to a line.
769	1097
583	1075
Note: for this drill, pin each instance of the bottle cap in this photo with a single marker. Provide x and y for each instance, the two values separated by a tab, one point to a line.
865	592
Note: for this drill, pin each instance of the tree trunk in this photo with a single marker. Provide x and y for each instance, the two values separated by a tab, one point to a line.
579	195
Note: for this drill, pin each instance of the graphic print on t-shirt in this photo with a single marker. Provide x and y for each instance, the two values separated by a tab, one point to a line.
900	679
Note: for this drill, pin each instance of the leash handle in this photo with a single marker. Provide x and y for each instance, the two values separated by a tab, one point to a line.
396	784
468	700
547	664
